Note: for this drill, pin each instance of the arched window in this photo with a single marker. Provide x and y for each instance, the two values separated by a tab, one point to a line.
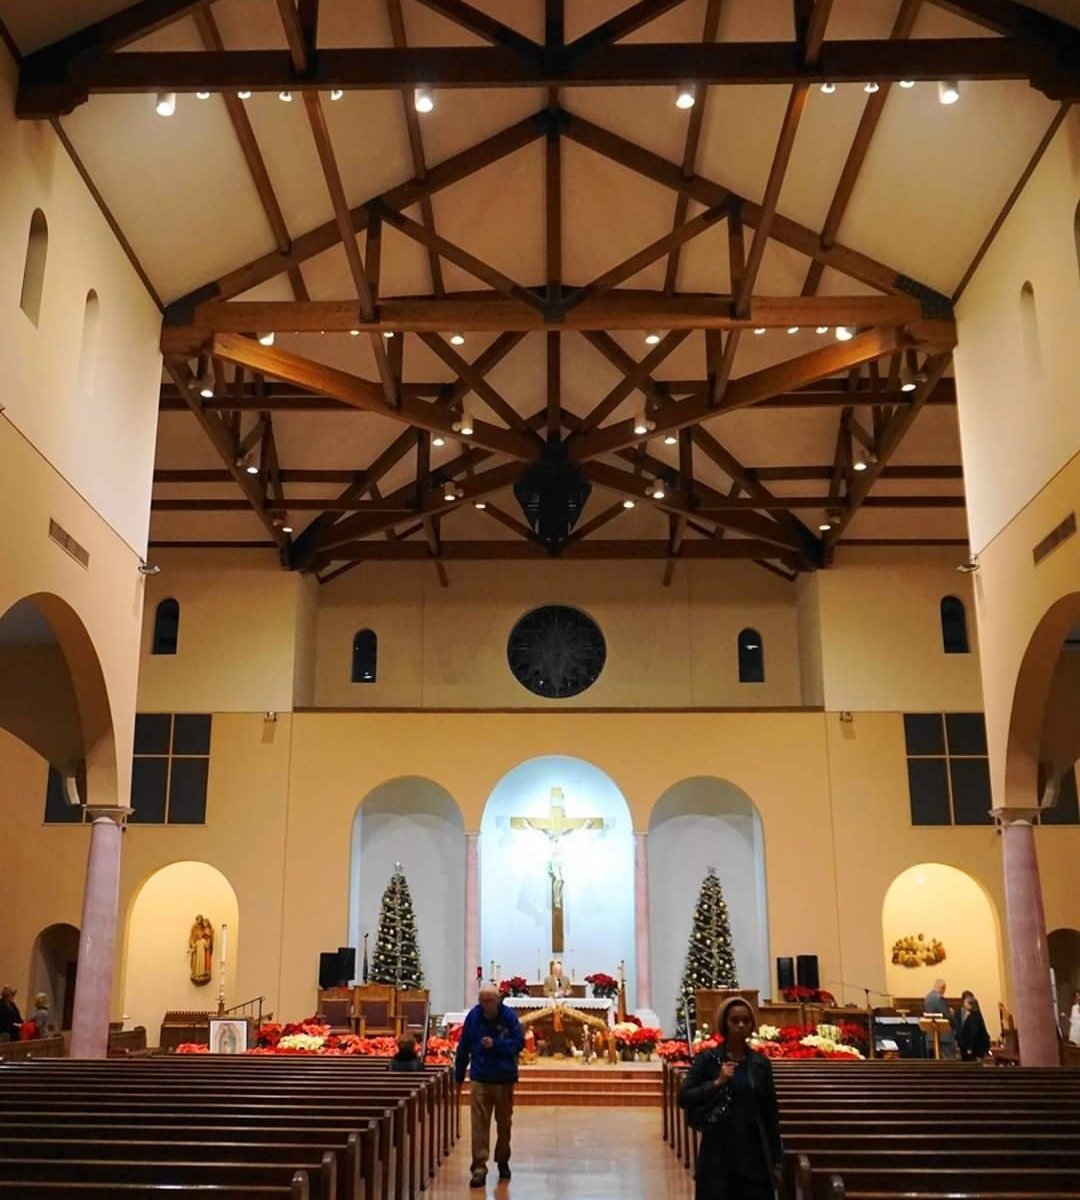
166	627
954	636
1029	330
365	656
88	349
33	281
751	657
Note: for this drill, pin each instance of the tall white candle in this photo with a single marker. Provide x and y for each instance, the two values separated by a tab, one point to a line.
224	944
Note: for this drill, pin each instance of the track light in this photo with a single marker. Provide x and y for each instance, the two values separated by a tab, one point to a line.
354	333
860	464
822	329
423	99
907	83
285	96
871	86
844	333
251	469
670	439
628	503
452	492
642	424
244	95
266	339
908	382
457	339
652	338
336	93
165	105
202	95
686	96
759	330
438	440
655	490
463	425
389	333
480	504
793	329
286	529
828	88
206	383
948	91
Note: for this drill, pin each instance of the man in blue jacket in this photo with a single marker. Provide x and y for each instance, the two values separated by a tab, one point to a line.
491	1037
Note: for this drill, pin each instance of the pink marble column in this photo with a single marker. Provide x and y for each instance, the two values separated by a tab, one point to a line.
641	921
472	914
1033	1003
97	937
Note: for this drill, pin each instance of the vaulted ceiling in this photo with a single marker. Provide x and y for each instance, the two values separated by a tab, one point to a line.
556	251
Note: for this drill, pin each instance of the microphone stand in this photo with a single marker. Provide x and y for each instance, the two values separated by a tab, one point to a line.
858	987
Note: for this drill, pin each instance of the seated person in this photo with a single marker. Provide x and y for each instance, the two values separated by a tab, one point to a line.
556	986
406	1058
40	1015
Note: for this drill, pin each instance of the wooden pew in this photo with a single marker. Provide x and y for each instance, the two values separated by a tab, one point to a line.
298	1189
47	1047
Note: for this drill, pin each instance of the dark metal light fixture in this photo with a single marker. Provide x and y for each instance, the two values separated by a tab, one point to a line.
552	494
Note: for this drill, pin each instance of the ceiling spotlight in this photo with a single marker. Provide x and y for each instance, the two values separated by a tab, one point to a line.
652	338
480	504
759	330
285	95
824	527
908	382
822	329
266	339
907	83
628	503
860	464
670	439
464	426
685	96
389	333
844	333
452	492
354	333
336	93
206	383
828	88
948	91
438	440
642	425
165	105
870	87
245	95
423	99
202	95
251	469
457	339
834	519
793	329
286	529
655	490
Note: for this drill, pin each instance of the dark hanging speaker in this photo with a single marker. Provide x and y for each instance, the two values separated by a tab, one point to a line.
807	968
329	969
785	974
347	958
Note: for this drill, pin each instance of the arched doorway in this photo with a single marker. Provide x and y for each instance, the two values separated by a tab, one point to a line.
1064	947
594	869
53	966
158	965
960	937
416	822
696	824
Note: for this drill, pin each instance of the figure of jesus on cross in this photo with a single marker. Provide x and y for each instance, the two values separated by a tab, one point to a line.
555	827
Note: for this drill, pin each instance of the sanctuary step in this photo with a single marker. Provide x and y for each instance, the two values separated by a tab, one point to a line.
596	1086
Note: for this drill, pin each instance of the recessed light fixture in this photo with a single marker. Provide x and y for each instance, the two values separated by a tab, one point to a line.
948	91
286	529
860	464
354	333
652	338
206	383
628	503
759	330
202	95
266	339
907	83
655	490
871	86
423	99
452	492
285	96
670	439
165	104
793	329
336	93
388	334
438	440
824	527
480	504
244	95
686	96
822	329
844	333
251	469
828	88
457	339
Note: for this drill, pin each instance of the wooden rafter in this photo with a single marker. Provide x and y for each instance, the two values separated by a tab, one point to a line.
485	26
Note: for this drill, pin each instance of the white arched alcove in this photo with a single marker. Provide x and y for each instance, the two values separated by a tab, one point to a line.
157	971
53	962
598	872
417	823
944	903
696	824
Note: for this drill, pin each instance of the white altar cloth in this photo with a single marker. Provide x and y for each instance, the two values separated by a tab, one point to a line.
582	1003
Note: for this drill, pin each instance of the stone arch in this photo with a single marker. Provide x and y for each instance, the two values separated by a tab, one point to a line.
160	915
53	962
44	640
417	822
945	903
597	872
701	822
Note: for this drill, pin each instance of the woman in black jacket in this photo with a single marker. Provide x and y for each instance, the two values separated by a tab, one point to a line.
972	1037
730	1096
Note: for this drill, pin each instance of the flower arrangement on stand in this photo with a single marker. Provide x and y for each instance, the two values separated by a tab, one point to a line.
604	987
803	995
845	1043
516	985
309	1037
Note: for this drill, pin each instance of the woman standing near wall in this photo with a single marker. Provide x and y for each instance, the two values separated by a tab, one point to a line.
730	1097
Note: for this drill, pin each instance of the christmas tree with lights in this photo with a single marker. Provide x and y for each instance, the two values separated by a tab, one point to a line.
397	955
710	958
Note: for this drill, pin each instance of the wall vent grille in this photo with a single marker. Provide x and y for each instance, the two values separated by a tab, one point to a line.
67	543
1057	535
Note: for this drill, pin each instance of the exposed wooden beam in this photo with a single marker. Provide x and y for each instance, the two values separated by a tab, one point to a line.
484	26
553	346
51	87
634	373
474	377
621	25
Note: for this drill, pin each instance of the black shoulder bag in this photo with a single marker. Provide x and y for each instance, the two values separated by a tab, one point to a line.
713	1112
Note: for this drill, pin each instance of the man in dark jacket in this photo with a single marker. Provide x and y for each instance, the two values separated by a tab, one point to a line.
10	1019
492	1039
406	1058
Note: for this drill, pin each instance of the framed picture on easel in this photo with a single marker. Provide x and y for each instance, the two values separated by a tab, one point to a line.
228	1035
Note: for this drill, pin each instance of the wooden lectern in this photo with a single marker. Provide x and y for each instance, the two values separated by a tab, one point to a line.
708	1000
935	1025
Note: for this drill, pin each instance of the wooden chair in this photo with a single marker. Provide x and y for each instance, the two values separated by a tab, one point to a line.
337	1012
375	1008
412	1010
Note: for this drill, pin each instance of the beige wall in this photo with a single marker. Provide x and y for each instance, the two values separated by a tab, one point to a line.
1020	422
100	438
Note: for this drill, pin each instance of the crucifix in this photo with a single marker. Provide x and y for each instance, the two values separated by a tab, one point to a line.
555	827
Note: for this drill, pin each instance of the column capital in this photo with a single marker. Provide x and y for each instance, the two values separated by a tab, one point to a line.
641	833
1008	815
472	833
117	813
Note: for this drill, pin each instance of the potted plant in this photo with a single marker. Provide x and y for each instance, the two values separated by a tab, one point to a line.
604	987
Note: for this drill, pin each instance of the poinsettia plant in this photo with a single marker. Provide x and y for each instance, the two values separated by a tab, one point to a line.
804	995
309	1037
604	987
516	985
645	1038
